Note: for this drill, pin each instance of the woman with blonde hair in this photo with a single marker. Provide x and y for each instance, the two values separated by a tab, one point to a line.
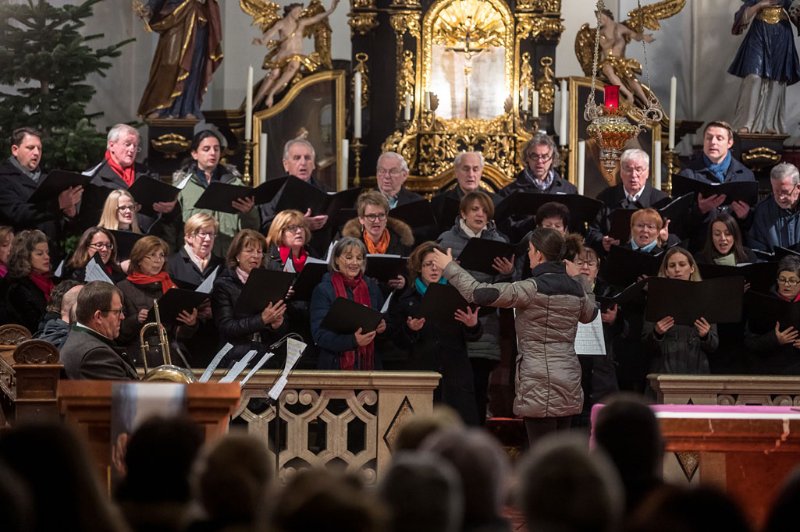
119	212
287	240
195	261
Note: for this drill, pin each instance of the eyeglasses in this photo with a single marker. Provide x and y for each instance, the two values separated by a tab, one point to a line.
116	311
394	172
102	245
645	226
590	263
123	208
788	282
202	235
785	194
129	145
428	264
375	217
293	228
155	257
540	157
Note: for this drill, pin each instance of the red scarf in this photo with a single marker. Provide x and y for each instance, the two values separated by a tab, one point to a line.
366	354
44	282
127	174
299	262
161	277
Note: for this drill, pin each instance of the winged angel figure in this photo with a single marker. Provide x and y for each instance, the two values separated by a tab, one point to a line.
614	37
283	37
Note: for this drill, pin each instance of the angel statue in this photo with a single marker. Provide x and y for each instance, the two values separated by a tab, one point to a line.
283	38
614	38
189	51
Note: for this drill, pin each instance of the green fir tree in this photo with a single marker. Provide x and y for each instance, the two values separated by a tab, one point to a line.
44	65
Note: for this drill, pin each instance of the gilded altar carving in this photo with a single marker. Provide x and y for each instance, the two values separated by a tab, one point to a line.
363	4
361	66
362	23
405	79
525	71
545	6
405	3
171	145
531	27
546	86
406	21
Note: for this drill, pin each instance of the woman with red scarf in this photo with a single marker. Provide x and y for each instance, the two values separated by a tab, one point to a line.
346	279
147	281
29	279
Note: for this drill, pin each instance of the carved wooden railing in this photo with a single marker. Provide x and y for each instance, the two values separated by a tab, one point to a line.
767	390
335	418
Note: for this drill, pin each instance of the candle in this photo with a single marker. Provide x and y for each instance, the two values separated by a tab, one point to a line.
525	99
581	164
407	108
248	114
343	168
657	165
262	157
562	129
535	111
357	106
611	96
427	100
673	100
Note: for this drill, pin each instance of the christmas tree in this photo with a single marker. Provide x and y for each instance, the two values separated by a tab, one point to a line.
44	65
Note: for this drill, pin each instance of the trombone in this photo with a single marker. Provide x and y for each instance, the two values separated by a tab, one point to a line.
167	371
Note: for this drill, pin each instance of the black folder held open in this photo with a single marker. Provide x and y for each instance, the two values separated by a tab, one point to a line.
346	317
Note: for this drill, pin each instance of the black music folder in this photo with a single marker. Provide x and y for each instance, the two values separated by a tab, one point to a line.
262	288
582	210
765	310
220	197
416	214
676	211
299	195
384	268
147	190
446	209
346	317
440	303
56	182
624	265
174	301
125	240
746	191
716	300
760	275
307	280
479	254
627	295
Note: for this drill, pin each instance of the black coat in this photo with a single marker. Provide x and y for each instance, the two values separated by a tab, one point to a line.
25	302
88	355
186	274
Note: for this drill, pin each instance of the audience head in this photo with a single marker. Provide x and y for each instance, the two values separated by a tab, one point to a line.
628	432
6	239
588	263
247	250
16	505
634	170
94	240
119	212
541	155
123	145
149	256
63	298
645	226
299	158
421	264
476	209
289	229
553	215
482	467
420	426
724	237
29	254
573	248
717	140
679	264
784	514
392	173
349	257
788	281
231	478
99	307
423	494
199	233
206	150
373	209
784	179
545	245
26	147
562	487
468	169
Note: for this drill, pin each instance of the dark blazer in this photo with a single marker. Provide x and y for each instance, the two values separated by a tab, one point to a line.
186	274
88	355
406	196
522	184
25	302
613	198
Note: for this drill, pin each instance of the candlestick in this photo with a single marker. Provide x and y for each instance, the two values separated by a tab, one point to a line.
262	157
535	102
248	114
673	100
248	148
562	128
407	107
657	165
581	164
427	100
357	147
344	169
357	106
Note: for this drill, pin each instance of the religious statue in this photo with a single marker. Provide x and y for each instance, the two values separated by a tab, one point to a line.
189	51
766	61
283	38
614	38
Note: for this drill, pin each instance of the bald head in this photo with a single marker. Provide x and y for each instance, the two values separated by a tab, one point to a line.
68	304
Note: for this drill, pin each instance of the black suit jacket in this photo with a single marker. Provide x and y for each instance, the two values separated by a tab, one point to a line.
88	355
613	198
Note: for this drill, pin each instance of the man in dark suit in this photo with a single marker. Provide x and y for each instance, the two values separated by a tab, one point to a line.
468	169
90	351
392	173
633	192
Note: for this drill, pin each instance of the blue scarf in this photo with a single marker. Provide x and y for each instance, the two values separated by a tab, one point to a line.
647	249
719	169
422	287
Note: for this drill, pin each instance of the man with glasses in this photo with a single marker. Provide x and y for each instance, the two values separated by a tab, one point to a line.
539	175
775	219
392	172
90	351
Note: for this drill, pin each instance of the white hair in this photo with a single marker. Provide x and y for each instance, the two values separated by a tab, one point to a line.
396	156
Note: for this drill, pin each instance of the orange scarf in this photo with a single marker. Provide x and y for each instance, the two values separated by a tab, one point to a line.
160	277
381	246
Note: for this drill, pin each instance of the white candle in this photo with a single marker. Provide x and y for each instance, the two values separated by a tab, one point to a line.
657	165
427	100
357	106
525	106
248	114
562	129
262	157
581	164
343	169
407	107
673	97
535	111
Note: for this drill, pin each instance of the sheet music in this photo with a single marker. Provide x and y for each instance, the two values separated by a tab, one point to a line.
289	266
215	362
294	349
238	368
385	306
94	272
258	366
278	387
589	339
208	283
60	270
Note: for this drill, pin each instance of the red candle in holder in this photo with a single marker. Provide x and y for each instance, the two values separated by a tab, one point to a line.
611	96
